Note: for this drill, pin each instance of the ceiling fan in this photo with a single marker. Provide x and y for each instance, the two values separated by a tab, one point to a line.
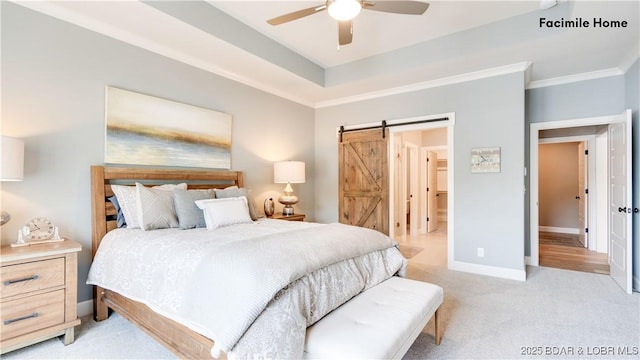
345	10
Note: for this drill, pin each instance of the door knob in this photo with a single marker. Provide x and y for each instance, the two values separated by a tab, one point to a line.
622	209
635	210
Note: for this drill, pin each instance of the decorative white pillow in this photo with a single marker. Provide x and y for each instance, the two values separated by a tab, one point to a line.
224	212
155	206
234	191
128	199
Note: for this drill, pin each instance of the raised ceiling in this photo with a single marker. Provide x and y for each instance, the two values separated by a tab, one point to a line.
301	61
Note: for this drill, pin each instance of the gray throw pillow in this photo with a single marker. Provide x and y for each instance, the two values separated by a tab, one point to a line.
120	215
189	215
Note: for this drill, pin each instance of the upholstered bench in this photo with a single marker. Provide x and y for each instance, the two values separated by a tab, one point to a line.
380	323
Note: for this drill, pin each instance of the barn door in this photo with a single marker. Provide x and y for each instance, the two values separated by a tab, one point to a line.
363	190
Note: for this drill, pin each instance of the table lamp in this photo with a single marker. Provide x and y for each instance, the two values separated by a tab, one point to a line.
288	172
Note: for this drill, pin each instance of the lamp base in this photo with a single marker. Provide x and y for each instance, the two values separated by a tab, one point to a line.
288	200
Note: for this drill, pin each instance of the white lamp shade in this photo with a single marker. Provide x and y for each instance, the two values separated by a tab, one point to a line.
288	172
12	158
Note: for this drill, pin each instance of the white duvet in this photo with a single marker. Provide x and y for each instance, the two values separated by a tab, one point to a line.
251	288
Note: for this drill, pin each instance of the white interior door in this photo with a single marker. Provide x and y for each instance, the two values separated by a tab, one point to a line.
432	191
413	189
398	207
404	191
620	208
582	195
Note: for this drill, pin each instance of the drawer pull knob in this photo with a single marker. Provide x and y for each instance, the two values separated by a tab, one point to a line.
9	282
7	322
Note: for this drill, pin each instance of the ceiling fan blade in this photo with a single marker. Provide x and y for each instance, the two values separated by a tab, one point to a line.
345	32
296	15
397	7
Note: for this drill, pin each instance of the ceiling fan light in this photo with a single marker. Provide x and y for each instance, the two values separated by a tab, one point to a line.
343	10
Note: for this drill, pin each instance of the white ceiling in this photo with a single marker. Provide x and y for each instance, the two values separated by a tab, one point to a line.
389	52
374	32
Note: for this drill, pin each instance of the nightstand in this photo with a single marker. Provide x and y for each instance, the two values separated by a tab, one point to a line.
38	293
294	217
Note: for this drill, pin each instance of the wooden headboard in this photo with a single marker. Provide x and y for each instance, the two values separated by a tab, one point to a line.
103	214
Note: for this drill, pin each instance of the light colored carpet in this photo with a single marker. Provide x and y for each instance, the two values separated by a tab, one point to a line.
482	318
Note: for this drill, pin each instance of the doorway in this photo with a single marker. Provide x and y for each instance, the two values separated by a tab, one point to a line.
613	194
565	186
367	162
421	187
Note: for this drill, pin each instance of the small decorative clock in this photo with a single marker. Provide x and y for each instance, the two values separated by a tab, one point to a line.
37	231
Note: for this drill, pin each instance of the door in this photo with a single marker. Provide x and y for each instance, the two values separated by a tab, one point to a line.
405	191
432	191
400	226
582	195
412	177
363	188
620	208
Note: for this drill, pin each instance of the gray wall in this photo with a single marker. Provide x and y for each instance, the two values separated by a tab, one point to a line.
583	99
489	208
53	80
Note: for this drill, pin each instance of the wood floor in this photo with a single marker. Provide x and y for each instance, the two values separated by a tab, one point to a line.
556	250
564	251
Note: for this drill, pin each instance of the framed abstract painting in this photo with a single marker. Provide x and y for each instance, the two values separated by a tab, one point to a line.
147	130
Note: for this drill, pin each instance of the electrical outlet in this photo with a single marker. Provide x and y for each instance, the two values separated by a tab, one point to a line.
480	252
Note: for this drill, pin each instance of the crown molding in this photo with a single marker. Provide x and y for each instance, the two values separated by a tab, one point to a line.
575	78
456	79
58	12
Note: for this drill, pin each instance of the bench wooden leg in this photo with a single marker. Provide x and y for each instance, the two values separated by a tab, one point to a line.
437	325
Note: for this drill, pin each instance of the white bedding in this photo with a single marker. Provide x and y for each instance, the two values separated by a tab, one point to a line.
251	288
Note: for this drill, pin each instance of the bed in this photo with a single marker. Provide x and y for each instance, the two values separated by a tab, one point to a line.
191	338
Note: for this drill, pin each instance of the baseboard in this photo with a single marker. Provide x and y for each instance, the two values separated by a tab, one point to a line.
527	260
85	308
636	283
560	230
499	272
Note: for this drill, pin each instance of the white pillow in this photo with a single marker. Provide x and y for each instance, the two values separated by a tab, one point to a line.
224	212
155	207
128	200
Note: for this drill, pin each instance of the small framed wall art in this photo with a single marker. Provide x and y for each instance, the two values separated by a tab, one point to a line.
485	160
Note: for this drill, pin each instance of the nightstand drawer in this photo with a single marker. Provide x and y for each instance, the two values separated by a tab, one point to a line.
31	276
37	312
